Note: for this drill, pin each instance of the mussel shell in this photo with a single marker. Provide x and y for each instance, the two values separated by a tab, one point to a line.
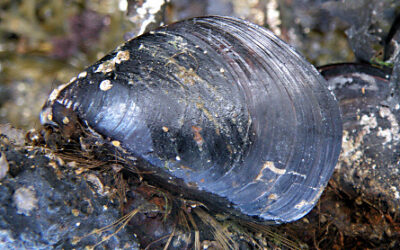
370	159
222	110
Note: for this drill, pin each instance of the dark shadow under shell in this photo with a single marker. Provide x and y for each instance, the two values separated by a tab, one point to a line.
223	110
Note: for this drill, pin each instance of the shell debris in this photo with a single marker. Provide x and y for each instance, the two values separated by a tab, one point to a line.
106	85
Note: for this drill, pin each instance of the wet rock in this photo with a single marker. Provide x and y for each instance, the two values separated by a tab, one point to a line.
369	22
13	135
46	205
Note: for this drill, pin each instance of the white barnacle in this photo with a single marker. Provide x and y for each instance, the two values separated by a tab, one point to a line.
106	67
105	85
82	74
109	65
122	56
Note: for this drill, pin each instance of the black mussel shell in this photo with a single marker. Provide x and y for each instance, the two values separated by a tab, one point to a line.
370	159
224	112
358	87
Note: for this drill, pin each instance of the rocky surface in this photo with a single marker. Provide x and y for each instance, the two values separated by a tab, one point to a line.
44	204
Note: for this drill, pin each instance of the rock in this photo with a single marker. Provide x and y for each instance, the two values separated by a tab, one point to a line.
43	204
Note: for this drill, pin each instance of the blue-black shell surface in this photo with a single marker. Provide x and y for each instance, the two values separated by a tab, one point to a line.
221	109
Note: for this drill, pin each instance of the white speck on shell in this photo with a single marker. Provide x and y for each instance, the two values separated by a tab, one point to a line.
116	144
105	85
122	56
82	74
106	67
109	65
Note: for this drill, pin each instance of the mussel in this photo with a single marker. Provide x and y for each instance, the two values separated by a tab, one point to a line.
219	109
